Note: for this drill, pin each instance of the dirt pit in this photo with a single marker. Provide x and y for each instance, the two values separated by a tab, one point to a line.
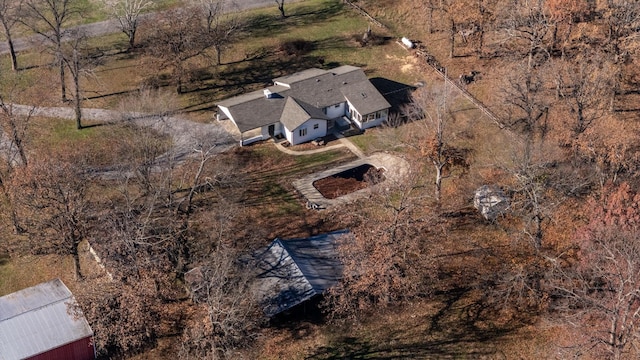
348	181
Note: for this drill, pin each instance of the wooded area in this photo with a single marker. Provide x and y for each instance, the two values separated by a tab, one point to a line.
562	262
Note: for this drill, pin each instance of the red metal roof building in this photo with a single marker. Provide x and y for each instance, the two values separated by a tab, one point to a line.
43	323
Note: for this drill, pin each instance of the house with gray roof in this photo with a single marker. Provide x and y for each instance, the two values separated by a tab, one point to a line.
44	322
306	105
291	272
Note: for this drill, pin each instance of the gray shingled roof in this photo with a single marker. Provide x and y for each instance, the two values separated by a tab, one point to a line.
38	319
294	271
299	76
364	97
317	87
297	112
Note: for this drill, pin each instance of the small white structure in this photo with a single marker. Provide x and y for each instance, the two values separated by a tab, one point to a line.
408	43
491	201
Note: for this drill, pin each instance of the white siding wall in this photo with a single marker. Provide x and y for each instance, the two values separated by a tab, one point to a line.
296	137
362	121
334	112
259	134
225	113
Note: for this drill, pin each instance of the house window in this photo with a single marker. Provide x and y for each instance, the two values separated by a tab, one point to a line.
370	117
303	132
336	106
315	126
378	114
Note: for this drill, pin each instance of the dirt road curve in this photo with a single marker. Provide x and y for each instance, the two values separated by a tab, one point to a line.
111	26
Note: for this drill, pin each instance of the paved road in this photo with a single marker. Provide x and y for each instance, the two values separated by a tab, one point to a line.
112	26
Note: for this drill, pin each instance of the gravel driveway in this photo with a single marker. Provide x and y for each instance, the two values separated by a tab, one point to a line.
184	133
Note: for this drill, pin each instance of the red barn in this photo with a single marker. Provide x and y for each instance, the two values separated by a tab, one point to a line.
43	322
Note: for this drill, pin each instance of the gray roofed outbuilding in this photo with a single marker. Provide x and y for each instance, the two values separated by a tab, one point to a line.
294	271
40	318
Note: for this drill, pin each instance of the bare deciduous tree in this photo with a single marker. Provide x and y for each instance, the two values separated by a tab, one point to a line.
53	200
526	24
124	315
14	124
127	12
47	18
80	63
280	4
385	261
224	292
221	24
9	12
526	106
178	36
430	115
599	293
623	21
590	81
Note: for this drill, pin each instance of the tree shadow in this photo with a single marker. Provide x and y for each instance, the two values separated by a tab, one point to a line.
396	93
270	25
117	93
460	328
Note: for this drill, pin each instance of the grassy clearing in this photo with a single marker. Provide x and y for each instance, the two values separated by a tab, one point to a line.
101	144
16	274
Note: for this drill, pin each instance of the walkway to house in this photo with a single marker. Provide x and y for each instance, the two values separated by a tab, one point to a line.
344	142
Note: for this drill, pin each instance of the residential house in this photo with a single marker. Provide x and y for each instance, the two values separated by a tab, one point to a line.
43	322
306	105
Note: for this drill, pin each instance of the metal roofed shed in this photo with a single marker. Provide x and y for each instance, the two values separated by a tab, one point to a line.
491	201
42	322
294	271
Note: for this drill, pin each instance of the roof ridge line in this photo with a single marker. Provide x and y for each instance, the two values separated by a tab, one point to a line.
37	308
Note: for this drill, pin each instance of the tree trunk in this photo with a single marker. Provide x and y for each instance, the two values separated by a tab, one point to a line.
63	86
438	181
538	235
132	38
281	8
76	261
12	50
78	110
77	97
480	41
219	54
452	38
567	36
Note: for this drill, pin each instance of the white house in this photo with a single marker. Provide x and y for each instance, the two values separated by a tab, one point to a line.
306	105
